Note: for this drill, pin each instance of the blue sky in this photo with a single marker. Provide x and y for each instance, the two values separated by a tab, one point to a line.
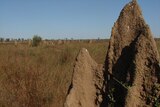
60	19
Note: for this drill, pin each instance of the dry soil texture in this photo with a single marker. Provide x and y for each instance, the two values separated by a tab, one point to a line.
132	62
131	74
86	83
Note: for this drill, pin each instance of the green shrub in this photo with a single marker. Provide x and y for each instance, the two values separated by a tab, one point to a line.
36	40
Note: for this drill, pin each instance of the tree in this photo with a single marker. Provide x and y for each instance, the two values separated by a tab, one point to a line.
7	39
36	40
1	39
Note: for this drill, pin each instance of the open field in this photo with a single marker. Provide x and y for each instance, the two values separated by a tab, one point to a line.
40	76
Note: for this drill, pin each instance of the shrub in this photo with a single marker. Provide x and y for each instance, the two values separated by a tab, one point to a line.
36	40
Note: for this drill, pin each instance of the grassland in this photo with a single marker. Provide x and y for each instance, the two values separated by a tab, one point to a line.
40	76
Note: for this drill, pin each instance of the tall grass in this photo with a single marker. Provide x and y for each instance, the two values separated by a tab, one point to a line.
40	76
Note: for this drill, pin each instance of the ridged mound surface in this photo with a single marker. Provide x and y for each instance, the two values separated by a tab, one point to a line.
85	90
132	62
131	75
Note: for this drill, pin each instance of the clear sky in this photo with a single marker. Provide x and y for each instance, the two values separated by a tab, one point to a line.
60	19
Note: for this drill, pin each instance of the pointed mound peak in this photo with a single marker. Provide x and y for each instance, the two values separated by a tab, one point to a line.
131	12
129	24
133	5
84	56
84	52
86	84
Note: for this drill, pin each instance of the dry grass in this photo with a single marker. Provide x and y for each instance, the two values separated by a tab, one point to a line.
40	76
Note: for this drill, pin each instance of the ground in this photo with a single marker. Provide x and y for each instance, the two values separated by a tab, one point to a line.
40	76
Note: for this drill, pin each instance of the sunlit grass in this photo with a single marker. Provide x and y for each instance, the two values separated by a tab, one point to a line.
40	76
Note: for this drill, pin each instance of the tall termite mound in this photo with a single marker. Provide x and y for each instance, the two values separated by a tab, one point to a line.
132	67
131	75
86	87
